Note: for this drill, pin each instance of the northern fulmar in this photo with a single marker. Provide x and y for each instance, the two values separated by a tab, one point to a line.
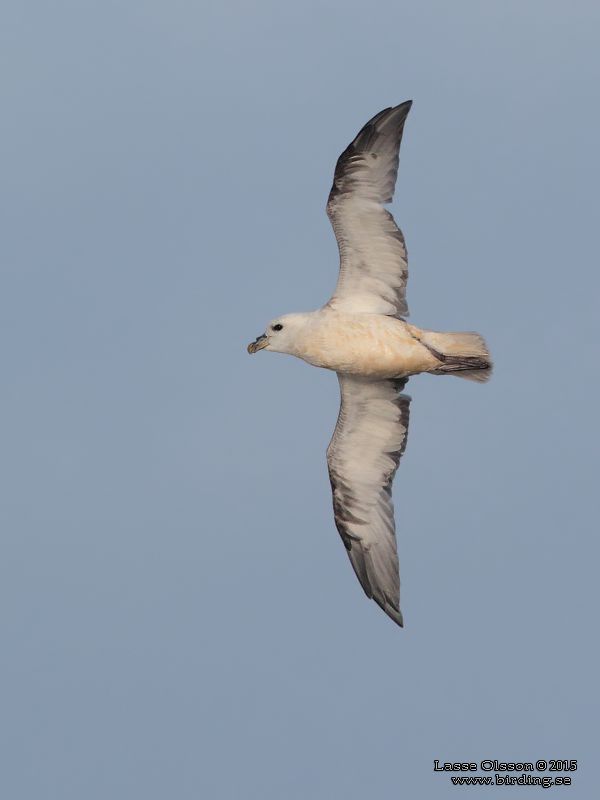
363	335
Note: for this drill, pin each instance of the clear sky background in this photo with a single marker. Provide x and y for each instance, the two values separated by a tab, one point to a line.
178	616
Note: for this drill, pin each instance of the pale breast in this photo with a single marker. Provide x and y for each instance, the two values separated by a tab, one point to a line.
371	345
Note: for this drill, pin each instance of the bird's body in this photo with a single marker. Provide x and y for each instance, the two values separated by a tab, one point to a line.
362	334
368	345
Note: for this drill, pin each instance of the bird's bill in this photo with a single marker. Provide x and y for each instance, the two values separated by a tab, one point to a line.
258	344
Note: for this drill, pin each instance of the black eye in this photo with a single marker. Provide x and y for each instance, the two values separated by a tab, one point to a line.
277	327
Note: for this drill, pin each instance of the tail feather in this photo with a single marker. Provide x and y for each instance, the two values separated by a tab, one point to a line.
479	374
462	354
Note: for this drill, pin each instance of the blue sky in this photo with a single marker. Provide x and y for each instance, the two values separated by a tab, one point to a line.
178	615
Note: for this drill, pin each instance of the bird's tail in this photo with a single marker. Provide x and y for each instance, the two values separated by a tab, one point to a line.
462	354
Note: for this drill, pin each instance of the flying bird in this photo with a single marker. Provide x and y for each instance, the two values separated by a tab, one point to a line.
362	334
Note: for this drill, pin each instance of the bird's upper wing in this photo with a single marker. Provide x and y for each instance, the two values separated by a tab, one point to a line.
373	261
363	456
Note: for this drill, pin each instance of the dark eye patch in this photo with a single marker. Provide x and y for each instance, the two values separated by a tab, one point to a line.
277	327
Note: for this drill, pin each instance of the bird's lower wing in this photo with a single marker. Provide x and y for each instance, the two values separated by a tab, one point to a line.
363	456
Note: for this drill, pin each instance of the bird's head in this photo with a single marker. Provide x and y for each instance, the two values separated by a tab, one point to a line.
282	334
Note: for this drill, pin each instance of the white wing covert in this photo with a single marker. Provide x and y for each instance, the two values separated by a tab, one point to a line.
373	260
363	456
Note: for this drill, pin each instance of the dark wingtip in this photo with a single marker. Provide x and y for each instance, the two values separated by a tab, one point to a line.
395	615
404	108
395	117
